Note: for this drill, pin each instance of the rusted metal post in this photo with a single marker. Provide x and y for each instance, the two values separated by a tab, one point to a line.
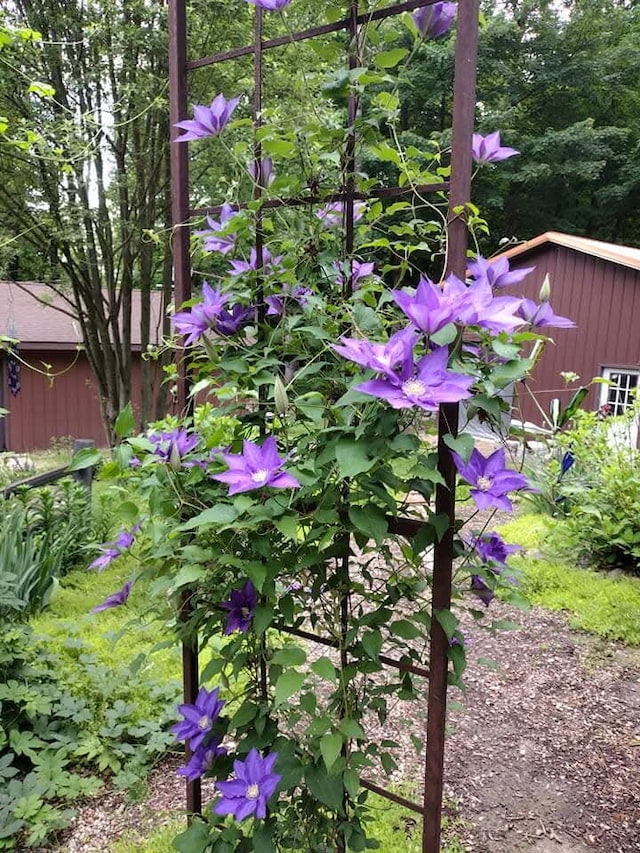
459	194
179	159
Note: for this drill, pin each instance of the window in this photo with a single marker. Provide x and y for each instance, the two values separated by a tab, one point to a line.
619	393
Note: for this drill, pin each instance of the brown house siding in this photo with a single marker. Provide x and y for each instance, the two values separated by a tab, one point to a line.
603	299
46	411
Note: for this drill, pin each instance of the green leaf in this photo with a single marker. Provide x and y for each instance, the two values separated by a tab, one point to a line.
447	622
330	747
188	575
351	783
290	656
88	457
462	445
195	839
351	728
352	457
246	712
504	374
263	838
372	644
125	422
327	789
289	683
440	524
390	58
405	629
288	526
370	520
218	514
262	618
257	573
324	668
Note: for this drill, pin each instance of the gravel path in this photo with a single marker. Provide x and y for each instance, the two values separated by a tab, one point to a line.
543	753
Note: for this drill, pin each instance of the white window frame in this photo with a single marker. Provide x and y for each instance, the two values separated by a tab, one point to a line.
617	392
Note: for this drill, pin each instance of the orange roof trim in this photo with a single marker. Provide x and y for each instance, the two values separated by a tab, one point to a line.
626	256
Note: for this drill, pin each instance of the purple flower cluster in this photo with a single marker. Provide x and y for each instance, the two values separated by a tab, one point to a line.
277	302
269	264
257	467
116	599
211	315
487	149
241	606
111	550
436	20
493	552
332	214
249	792
216	238
196	729
491	479
270	5
207	121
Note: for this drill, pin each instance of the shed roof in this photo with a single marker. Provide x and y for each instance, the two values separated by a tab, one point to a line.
28	313
626	256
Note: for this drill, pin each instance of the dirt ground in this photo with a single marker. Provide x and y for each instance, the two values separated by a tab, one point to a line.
543	753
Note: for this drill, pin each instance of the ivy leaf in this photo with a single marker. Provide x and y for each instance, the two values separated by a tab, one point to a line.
462	445
352	457
87	457
372	644
125	422
290	656
390	58
447	622
195	839
405	629
351	729
327	789
330	747
218	514
370	520
324	668
289	683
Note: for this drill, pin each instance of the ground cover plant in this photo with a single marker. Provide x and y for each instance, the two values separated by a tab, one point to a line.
277	519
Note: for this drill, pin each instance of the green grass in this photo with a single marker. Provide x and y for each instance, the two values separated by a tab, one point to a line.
397	829
596	601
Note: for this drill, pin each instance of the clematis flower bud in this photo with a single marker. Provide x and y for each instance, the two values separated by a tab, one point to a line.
545	290
280	396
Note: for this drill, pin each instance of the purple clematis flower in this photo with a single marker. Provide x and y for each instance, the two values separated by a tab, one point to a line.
542	315
174	445
332	213
490	478
497	273
256	467
214	240
110	550
436	20
207	121
383	358
269	264
277	302
116	599
241	605
266	172
270	5
487	149
203	316
479	307
491	548
422	386
202	760
230	322
198	718
482	590
432	308
359	270
249	792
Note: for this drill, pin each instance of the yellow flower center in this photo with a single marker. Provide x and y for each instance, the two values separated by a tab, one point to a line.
414	387
253	792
